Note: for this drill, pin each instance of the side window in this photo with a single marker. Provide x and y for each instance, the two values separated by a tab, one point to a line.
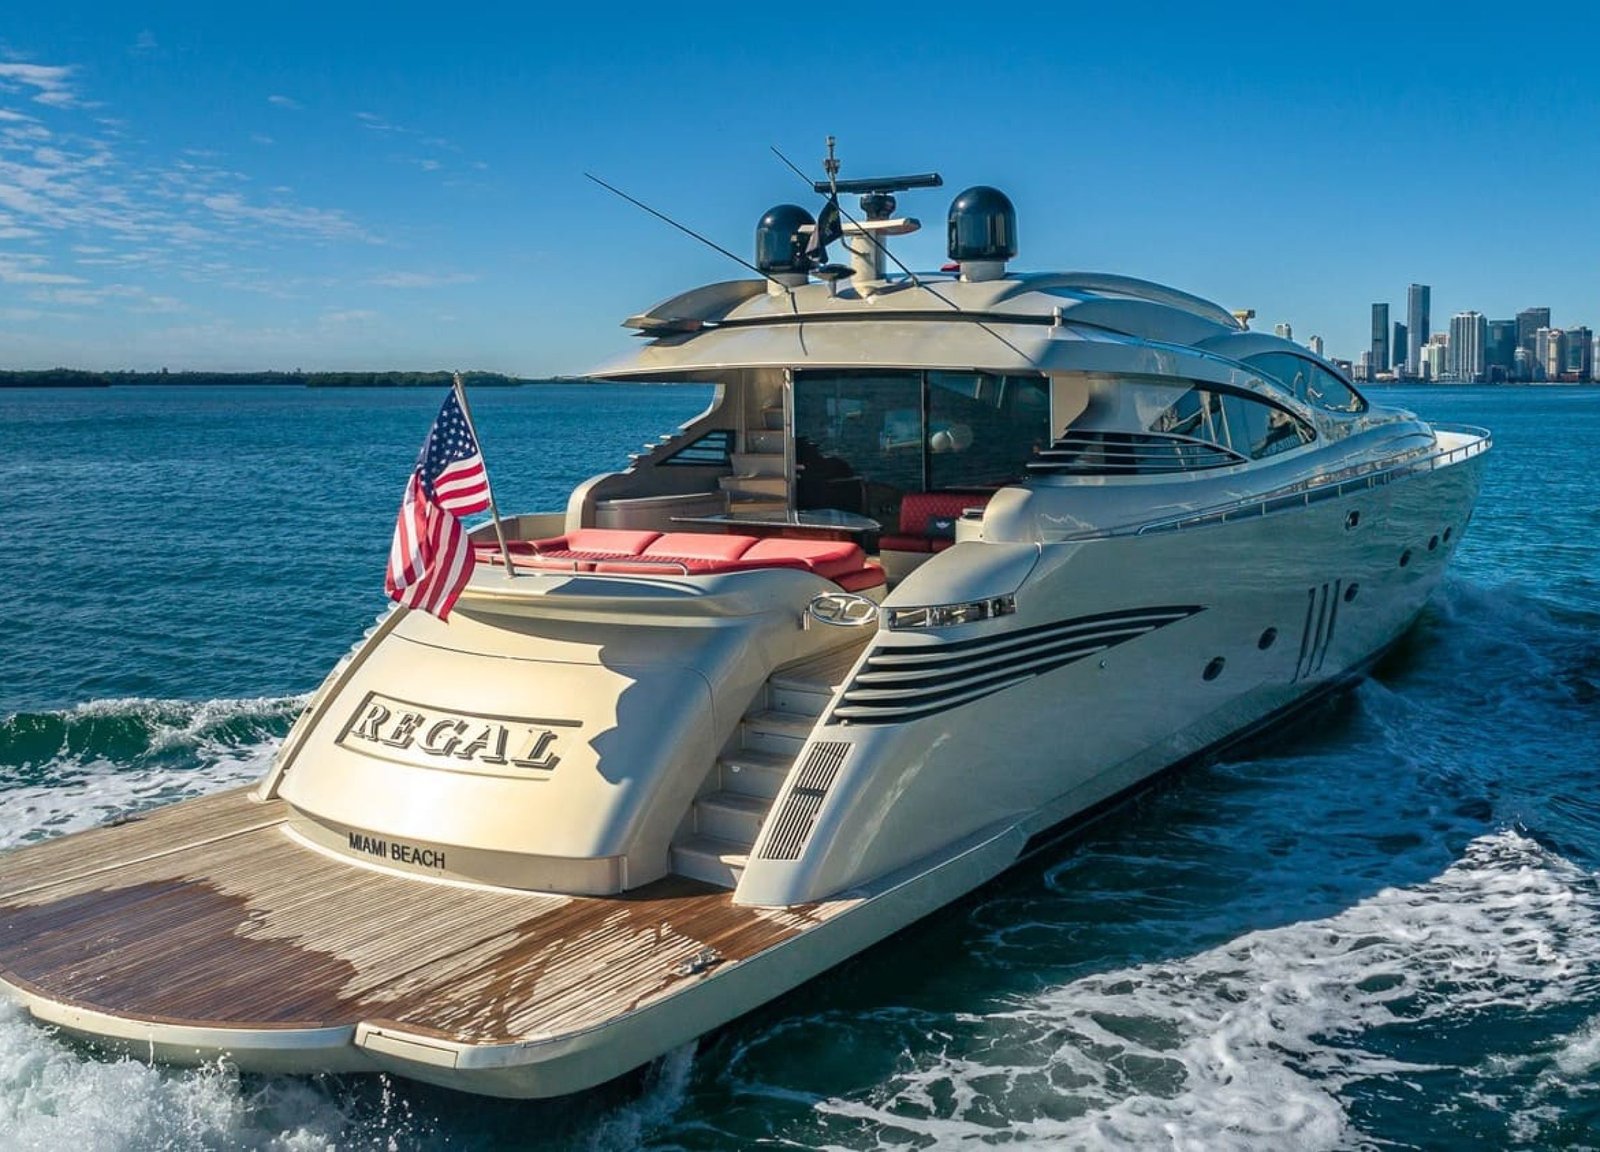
1194	414
1328	391
1308	381
1261	429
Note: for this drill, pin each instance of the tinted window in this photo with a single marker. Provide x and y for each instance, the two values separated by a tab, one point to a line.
1261	429
864	439
1308	381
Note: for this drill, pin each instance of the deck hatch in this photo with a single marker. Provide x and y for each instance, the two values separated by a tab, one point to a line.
800	808
898	683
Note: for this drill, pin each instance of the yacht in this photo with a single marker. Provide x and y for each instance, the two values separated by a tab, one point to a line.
951	562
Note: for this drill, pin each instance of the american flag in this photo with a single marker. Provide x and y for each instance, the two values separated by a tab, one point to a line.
430	560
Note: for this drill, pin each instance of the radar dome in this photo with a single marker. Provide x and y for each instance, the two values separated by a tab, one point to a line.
780	245
983	225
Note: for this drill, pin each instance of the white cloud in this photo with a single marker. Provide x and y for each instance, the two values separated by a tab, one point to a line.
261	138
49	82
325	223
288	102
339	316
28	270
421	279
145	43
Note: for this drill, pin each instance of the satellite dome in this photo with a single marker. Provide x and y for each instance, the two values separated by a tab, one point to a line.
983	225
780	245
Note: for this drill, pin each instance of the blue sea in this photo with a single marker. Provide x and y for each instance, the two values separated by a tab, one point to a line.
1377	930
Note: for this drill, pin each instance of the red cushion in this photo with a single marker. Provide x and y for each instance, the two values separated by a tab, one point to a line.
615	541
869	576
918	508
905	544
698	546
828	558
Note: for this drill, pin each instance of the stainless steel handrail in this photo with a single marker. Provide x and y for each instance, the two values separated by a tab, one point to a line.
1310	492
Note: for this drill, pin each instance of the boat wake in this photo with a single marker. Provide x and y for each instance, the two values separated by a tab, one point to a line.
1287	1037
72	769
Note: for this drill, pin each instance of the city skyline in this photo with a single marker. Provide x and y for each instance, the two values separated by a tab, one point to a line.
1474	348
185	186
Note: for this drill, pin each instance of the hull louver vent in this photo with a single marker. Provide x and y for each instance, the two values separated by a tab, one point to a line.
799	812
907	682
1322	614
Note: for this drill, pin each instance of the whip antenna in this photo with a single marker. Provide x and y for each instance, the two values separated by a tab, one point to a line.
689	232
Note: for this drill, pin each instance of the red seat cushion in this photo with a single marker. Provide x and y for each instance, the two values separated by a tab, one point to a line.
905	543
699	546
868	576
828	558
919	512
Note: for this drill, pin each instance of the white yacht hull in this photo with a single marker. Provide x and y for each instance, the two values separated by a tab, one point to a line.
930	808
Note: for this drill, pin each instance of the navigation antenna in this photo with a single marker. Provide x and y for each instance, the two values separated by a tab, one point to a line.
870	190
691	232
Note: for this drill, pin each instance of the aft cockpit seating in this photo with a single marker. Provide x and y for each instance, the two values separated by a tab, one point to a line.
613	550
927	520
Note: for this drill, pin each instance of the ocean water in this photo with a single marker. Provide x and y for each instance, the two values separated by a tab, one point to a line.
1379	929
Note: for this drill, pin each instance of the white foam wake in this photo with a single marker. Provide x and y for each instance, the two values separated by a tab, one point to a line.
184	749
1254	1045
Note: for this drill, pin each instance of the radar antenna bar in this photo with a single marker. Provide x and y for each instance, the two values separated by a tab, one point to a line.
832	167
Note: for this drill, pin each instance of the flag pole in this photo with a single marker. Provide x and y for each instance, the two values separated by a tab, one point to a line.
494	512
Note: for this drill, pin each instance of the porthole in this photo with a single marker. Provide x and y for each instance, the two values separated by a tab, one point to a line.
1350	592
1447	533
1433	542
1268	639
1405	557
1213	669
1352	518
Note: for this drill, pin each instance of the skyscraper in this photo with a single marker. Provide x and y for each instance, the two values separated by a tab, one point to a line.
1285	329
1578	361
1549	349
1469	336
1500	355
1418	299
1529	321
1380	338
1315	344
1397	349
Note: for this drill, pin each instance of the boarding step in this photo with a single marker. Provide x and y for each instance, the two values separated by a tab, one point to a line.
775	487
758	463
780	732
714	861
798	697
764	441
754	773
756	502
730	816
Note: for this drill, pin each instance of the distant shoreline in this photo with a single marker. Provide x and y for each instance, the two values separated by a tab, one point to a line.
78	378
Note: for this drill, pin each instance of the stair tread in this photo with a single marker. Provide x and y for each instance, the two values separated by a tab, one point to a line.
738	801
757	758
788	722
821	673
728	851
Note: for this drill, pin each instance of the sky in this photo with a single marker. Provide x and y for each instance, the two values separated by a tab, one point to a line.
240	187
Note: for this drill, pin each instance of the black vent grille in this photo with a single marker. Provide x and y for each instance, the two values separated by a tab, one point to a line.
800	807
907	682
1087	453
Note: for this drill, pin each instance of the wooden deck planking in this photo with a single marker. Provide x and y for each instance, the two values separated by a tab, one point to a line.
244	926
153	833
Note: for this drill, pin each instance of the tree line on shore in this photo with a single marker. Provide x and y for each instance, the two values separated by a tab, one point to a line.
78	378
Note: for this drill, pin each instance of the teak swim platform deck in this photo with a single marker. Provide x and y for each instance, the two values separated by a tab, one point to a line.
211	916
